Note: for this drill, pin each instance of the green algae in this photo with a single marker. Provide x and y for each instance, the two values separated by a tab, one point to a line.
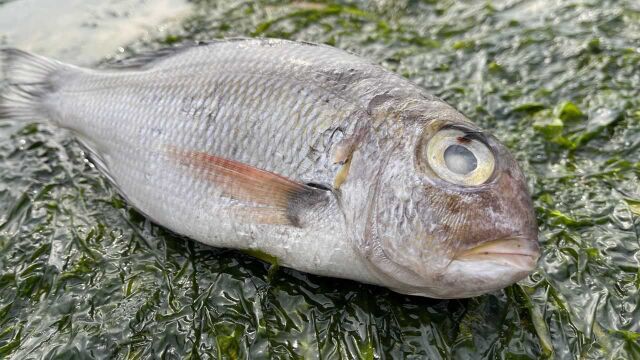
82	275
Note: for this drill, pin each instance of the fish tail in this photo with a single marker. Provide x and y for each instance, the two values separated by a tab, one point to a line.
28	79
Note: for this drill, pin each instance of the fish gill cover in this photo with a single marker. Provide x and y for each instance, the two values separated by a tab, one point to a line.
82	275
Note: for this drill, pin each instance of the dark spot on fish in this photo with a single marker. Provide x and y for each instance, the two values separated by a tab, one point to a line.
453	204
299	202
293	219
332	135
463	139
319	186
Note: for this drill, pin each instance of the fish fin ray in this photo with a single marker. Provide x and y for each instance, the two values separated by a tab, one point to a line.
98	161
28	79
263	190
148	58
145	59
26	82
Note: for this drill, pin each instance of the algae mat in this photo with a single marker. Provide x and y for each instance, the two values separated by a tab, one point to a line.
82	275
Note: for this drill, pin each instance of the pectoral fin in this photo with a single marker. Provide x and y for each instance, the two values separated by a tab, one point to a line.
269	197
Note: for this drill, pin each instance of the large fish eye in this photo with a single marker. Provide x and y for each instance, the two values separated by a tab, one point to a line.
459	158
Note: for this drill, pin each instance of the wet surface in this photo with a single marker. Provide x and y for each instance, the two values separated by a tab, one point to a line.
82	31
84	275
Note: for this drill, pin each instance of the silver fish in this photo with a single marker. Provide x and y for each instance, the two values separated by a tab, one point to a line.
320	158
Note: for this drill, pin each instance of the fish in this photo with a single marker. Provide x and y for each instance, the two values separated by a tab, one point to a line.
320	158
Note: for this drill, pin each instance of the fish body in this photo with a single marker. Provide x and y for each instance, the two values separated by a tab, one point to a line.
322	159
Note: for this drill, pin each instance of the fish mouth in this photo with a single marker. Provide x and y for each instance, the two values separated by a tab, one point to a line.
518	253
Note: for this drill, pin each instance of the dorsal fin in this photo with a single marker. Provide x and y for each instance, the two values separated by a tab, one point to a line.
145	59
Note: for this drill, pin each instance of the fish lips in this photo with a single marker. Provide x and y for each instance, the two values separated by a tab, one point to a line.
521	254
484	268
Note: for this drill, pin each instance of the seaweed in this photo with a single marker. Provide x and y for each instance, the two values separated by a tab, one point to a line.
84	275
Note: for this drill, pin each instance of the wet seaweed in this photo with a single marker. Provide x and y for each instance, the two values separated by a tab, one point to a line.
83	275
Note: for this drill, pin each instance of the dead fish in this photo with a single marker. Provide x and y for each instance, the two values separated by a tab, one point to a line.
315	156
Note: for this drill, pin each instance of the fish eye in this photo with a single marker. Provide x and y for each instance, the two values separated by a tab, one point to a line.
460	160
457	157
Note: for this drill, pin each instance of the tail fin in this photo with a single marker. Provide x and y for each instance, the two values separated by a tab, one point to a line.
28	78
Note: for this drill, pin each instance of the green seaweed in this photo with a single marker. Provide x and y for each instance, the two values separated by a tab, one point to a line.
82	275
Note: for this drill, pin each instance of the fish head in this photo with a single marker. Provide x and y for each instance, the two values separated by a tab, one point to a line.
448	214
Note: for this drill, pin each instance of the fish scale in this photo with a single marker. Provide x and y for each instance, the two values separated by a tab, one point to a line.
304	152
232	112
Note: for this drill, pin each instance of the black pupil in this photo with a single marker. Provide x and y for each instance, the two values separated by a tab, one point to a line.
460	160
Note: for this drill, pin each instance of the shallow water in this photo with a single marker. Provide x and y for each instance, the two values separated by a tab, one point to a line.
83	275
